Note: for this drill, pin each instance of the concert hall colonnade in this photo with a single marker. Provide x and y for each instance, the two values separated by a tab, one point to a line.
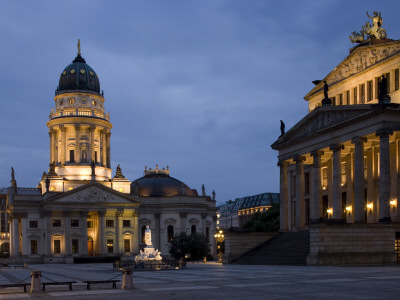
340	164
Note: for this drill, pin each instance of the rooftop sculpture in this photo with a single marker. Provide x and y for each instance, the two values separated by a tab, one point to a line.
368	31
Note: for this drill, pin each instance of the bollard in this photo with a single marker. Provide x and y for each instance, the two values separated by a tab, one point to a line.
36	281
127	281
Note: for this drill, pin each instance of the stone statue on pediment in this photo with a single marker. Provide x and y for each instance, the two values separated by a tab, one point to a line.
368	31
282	128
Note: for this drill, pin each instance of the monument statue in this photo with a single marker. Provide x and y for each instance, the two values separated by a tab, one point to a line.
282	128
213	195
326	100
148	253
383	96
203	190
147	236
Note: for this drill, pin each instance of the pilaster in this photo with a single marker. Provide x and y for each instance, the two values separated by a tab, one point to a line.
300	216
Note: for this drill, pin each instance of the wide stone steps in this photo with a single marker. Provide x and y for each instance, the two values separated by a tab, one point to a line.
288	248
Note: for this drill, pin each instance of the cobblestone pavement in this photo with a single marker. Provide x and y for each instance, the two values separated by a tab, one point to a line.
212	281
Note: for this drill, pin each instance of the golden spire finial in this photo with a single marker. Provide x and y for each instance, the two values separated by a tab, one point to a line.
79	47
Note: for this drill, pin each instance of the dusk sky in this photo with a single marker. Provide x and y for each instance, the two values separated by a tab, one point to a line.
199	86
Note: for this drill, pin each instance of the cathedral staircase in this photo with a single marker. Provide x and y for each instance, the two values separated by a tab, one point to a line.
288	248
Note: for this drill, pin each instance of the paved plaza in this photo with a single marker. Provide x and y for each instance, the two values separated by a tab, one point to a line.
213	281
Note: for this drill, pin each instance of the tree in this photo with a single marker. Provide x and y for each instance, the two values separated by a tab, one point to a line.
265	222
195	244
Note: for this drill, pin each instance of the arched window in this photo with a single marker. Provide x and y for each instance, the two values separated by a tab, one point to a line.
170	230
143	230
84	156
193	229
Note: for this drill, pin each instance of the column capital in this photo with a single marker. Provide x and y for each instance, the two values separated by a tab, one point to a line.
119	212
384	132
77	127
92	128
336	147
101	212
62	128
316	153
358	140
84	213
108	133
183	214
282	163
299	158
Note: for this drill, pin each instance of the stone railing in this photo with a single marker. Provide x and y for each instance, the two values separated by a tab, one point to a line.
78	112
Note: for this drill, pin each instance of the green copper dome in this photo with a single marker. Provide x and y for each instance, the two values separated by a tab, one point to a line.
78	76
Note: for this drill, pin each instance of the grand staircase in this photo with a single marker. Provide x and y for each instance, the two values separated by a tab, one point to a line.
288	248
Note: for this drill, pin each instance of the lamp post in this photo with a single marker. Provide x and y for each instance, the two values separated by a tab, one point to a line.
219	237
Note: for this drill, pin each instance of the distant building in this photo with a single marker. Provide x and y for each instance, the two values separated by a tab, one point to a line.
237	213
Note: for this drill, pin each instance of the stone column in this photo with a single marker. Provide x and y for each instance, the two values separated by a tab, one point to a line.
118	232
14	236
137	233
384	174
393	177
157	233
77	144
370	182
284	199
336	181
108	154
103	148
100	235
300	217
91	152
48	227
51	135
316	207
349	188
84	233
23	234
67	231
63	144
359	186
182	216
398	183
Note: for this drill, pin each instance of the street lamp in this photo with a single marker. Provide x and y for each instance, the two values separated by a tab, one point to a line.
219	237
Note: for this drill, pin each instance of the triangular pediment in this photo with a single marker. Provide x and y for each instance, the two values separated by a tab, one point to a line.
360	59
92	193
323	119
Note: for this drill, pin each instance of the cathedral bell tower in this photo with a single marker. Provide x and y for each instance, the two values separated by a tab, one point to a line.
79	130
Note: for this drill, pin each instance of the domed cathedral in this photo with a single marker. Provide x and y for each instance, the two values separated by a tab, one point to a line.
169	206
80	131
339	165
79	209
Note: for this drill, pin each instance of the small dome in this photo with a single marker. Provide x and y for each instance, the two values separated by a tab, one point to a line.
160	185
78	76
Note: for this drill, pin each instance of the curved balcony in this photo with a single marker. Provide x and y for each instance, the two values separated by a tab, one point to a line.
79	113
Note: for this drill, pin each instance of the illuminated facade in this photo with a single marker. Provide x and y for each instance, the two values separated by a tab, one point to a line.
78	208
339	166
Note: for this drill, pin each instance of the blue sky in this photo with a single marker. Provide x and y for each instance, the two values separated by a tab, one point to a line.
196	85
